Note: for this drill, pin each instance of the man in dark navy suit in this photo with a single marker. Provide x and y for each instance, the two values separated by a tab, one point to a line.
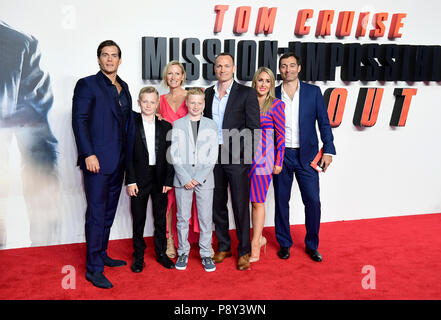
102	122
304	108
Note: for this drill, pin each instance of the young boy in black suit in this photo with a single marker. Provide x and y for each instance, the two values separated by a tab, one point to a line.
149	174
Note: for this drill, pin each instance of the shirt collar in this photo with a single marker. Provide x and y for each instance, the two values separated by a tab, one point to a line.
144	120
298	88
107	80
228	89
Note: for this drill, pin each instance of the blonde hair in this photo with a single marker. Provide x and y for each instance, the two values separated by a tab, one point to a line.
147	90
195	92
267	104
167	67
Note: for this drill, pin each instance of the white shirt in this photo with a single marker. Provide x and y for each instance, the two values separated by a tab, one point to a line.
218	108
149	130
292	138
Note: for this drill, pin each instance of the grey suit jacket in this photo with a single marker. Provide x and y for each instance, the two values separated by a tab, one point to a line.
194	160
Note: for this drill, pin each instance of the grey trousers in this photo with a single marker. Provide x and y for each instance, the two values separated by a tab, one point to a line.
204	203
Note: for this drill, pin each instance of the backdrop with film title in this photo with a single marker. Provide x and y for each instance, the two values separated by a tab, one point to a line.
377	63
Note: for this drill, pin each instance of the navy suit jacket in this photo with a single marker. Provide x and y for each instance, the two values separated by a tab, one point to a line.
97	123
312	109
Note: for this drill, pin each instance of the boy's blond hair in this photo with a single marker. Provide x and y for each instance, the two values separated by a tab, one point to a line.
148	89
195	92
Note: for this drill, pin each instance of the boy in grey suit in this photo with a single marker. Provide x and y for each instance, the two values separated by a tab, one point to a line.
194	152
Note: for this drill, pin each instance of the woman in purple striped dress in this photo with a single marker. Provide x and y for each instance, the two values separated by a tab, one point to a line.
268	159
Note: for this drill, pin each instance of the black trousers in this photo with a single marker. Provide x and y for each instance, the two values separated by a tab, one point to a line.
236	176
139	213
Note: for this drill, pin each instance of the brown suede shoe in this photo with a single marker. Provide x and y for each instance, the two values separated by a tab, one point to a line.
221	255
244	262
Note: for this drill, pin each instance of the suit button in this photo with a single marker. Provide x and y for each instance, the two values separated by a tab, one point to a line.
192	165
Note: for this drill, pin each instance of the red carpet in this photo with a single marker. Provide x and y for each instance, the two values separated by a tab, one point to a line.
405	252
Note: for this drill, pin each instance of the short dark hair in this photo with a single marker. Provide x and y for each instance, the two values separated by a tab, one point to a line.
223	54
289	55
107	43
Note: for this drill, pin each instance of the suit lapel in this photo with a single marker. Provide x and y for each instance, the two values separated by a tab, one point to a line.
142	133
202	125
302	97
158	135
112	103
189	132
302	105
209	95
230	102
126	88
278	92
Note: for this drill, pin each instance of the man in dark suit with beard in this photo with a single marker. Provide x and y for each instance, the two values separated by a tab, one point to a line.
102	122
304	110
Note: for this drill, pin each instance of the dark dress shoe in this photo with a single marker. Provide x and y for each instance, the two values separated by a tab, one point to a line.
165	261
283	253
221	255
98	280
137	265
314	254
109	262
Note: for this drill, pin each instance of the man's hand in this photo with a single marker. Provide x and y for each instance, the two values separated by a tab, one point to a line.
132	190
92	164
165	189
325	161
277	169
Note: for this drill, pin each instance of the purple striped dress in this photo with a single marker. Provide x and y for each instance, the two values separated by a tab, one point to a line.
267	155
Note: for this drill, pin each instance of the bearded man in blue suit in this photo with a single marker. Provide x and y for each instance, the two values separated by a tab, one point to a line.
304	108
103	126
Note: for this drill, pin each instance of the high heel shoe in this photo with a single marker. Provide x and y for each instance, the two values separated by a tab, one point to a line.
262	244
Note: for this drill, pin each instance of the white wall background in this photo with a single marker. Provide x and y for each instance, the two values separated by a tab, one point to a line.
378	171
